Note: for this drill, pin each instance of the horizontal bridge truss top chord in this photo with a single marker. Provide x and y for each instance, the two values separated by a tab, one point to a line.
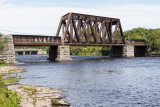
88	29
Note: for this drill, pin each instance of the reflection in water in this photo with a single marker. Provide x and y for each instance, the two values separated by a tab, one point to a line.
97	81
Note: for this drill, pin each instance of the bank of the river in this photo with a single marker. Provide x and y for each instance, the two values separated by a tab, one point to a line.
30	96
154	54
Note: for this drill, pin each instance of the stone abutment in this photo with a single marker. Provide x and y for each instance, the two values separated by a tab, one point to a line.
59	53
8	54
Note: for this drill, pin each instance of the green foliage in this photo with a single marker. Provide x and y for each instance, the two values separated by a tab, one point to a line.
7	97
21	86
32	89
105	51
153	40
54	101
92	50
34	100
29	94
136	33
2	83
11	79
151	36
3	63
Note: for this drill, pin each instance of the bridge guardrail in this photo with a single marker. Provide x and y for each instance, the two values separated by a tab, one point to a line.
36	39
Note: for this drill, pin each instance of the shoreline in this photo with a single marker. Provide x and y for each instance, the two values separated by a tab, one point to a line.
32	96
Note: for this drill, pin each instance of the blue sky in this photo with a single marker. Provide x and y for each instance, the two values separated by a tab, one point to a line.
79	3
42	16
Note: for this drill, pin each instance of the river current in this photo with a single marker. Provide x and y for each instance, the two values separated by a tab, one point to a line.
97	81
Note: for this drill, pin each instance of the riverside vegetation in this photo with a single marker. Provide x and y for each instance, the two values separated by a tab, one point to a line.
8	98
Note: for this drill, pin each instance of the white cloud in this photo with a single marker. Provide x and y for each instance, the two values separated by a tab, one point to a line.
45	20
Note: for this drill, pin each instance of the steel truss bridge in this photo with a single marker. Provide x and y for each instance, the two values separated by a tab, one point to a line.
81	30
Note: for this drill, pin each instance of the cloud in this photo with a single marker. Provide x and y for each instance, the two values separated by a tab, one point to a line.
45	20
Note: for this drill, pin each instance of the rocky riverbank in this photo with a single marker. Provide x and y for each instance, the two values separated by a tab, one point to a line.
154	54
31	96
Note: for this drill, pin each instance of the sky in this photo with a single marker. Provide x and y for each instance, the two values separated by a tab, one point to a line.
43	16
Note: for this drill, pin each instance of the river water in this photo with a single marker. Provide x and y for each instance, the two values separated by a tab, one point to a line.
97	81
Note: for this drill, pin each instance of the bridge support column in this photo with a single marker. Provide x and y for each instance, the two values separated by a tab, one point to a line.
122	51
8	53
24	52
59	53
128	51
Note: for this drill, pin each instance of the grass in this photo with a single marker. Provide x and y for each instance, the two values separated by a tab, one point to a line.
33	90
30	88
29	94
41	90
11	79
21	86
20	77
34	100
30	91
3	63
54	102
10	71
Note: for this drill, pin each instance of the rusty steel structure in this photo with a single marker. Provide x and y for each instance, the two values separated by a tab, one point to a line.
82	29
35	40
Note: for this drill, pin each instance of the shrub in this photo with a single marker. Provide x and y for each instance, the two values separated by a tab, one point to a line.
3	63
54	101
8	98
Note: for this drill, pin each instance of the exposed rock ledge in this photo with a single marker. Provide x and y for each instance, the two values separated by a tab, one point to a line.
10	70
33	96
39	98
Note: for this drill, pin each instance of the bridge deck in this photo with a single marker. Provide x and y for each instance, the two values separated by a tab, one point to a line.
34	40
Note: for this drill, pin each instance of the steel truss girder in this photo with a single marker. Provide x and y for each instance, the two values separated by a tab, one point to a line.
88	29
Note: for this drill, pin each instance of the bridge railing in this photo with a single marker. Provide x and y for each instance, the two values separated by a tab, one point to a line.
33	39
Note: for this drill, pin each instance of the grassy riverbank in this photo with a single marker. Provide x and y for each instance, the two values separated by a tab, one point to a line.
13	94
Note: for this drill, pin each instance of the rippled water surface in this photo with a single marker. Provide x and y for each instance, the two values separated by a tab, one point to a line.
95	81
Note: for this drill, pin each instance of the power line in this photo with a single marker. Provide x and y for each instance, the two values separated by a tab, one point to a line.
23	33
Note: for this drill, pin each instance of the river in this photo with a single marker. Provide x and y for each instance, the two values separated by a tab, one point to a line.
97	81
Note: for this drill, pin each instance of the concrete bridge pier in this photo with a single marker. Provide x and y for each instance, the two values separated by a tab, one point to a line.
59	53
8	53
128	51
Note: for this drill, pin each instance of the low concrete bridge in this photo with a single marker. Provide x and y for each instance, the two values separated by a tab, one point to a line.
84	30
29	51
